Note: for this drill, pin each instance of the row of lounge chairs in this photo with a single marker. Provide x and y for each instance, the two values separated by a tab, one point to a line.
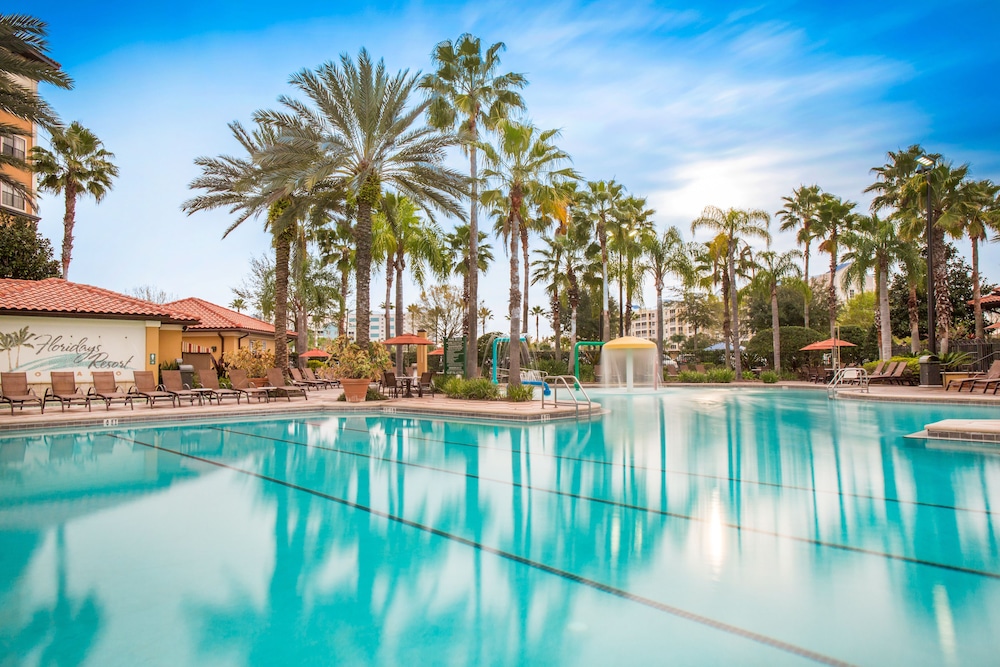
14	389
990	378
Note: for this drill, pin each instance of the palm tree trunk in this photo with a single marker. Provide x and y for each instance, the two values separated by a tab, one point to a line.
805	273
69	219
363	271
621	295
734	304
472	271
832	288
659	331
605	294
400	266
885	325
390	273
727	332
942	295
514	307
345	278
524	294
556	324
911	309
977	306
775	328
302	334
282	251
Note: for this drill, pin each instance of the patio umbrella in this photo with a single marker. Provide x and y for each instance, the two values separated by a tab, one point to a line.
407	339
827	344
436	353
315	354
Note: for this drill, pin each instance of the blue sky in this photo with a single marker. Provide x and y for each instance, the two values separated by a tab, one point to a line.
718	103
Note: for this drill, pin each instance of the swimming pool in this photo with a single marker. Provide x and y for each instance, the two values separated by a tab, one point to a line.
688	526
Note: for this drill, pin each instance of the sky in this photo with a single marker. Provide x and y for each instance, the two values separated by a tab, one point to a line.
688	104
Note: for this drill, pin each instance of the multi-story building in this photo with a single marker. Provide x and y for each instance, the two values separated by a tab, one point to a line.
844	292
644	322
19	146
377	329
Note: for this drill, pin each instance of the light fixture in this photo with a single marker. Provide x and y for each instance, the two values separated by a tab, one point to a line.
926	161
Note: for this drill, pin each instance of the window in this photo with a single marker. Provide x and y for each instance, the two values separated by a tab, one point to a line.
11	199
13	146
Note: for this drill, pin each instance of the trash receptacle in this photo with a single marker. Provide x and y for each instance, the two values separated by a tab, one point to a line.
930	371
187	374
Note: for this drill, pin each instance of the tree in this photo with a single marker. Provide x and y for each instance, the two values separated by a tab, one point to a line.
24	253
979	214
522	167
798	214
458	243
632	223
441	311
466	90
548	270
238	304
22	58
734	224
150	293
666	255
834	216
600	200
699	309
484	314
360	132
537	311
78	164
773	268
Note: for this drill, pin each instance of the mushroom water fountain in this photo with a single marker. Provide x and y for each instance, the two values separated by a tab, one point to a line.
629	362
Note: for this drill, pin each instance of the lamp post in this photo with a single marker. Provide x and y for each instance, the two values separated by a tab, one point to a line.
926	165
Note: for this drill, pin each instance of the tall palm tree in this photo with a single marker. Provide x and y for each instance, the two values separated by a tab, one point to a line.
78	164
772	269
979	214
458	244
359	129
798	213
600	200
484	314
735	224
467	91
22	58
523	168
711	271
580	257
834	216
667	255
548	270
632	222
537	312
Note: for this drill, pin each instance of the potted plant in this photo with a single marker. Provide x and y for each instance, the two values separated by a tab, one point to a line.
954	366
357	367
254	362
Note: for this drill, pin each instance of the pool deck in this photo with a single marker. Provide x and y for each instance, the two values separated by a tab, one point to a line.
326	401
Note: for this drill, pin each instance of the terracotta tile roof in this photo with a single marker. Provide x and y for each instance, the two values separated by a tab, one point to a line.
990	301
214	317
60	297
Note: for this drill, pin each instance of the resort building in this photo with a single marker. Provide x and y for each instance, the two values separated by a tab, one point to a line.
377	329
644	322
53	324
844	292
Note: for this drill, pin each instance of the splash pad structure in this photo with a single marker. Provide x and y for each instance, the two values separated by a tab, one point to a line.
629	362
500	367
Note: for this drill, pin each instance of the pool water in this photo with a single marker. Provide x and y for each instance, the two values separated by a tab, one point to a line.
711	526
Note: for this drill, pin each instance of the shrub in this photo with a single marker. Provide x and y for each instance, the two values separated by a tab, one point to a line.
749	375
350	361
792	340
254	362
721	375
691	376
520	393
769	377
315	364
552	367
479	389
587	373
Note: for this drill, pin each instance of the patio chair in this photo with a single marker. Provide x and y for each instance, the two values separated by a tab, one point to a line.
426	383
238	378
106	389
14	389
173	384
308	374
65	391
992	374
887	372
298	380
699	368
389	385
210	387
277	386
878	369
144	386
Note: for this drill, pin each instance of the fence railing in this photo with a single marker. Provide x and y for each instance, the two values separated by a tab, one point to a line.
983	353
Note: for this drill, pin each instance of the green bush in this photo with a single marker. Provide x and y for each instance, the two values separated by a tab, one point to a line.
552	367
749	375
769	377
721	375
587	373
315	364
520	393
691	376
372	395
479	389
792	340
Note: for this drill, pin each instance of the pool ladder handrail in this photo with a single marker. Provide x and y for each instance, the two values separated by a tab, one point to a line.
564	380
853	375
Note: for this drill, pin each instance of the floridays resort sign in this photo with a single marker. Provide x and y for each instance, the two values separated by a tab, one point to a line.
39	345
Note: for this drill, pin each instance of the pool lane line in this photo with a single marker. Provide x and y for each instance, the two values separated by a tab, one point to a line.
707	621
687	473
639	508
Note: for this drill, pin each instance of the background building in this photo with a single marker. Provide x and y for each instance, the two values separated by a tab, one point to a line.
644	322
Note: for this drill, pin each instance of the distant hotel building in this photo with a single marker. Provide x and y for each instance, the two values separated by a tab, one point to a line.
644	322
821	282
377	330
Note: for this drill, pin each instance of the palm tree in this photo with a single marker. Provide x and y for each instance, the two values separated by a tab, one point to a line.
360	132
772	269
548	269
580	257
834	216
467	91
22	58
874	244
711	271
77	164
523	168
238	304
798	214
734	224
600	200
667	256
484	315
979	208
537	311
458	245
632	222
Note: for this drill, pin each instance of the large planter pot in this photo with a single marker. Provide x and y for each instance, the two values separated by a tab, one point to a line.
355	390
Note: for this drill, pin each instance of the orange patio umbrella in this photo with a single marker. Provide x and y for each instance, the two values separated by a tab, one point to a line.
407	339
436	353
827	344
315	354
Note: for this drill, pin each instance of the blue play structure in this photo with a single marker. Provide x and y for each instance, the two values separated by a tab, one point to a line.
546	390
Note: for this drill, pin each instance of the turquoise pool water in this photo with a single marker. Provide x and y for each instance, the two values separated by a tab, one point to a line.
685	527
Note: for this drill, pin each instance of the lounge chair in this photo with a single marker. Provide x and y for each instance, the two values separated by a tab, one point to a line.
14	389
210	387
426	383
106	389
145	387
992	374
173	384
878	369
299	381
65	391
308	374
887	373
238	378
276	380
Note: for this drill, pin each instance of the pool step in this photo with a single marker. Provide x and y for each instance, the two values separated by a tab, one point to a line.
976	430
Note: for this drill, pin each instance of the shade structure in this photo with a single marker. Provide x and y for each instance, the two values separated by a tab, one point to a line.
436	353
407	339
719	347
827	344
629	343
315	354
